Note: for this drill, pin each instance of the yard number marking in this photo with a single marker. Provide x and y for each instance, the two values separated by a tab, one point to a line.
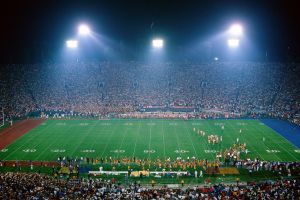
58	150
196	124
149	151
151	124
273	151
181	151
105	124
118	151
4	150
210	151
88	151
29	150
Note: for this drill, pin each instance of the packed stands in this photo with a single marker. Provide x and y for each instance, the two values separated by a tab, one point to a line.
239	88
37	186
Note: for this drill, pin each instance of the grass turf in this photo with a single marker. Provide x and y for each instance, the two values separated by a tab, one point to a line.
149	138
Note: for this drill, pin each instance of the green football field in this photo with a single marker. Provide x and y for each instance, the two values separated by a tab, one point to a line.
149	138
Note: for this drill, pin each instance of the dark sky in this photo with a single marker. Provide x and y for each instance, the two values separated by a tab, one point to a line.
31	27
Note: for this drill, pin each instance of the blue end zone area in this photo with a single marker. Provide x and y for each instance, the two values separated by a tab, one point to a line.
286	129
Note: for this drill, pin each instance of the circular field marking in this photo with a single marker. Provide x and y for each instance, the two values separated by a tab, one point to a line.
58	150
88	151
4	150
118	151
181	151
149	151
297	150
29	150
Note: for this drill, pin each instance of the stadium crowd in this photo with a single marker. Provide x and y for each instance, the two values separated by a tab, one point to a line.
238	88
38	186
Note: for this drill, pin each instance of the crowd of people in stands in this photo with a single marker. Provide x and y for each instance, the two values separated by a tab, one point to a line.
37	186
101	88
126	89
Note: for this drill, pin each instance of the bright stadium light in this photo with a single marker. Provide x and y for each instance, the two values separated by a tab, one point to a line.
72	44
84	30
157	43
236	29
233	43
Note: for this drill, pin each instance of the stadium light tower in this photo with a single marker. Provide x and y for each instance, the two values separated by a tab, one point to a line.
72	44
236	30
233	43
83	29
157	43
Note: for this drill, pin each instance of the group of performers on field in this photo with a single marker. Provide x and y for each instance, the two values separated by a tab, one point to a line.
232	153
211	139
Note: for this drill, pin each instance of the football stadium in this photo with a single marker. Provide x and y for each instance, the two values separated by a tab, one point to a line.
109	105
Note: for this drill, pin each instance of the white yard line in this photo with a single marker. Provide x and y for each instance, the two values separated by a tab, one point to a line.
179	149
22	146
258	130
136	139
186	130
280	146
122	141
205	139
233	127
50	144
108	142
83	141
163	132
149	142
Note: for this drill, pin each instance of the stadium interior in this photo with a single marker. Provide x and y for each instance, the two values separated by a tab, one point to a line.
149	113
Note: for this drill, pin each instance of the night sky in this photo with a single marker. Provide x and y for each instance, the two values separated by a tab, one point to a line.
31	27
